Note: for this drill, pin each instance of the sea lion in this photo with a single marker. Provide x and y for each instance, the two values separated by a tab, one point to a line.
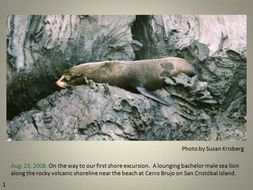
144	76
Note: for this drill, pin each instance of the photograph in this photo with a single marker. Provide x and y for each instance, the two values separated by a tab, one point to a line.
126	77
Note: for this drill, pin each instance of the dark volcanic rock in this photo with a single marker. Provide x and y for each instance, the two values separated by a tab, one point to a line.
102	112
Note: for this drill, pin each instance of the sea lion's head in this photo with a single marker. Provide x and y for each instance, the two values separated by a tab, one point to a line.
70	77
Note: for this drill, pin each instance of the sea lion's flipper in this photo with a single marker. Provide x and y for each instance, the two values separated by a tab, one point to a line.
151	95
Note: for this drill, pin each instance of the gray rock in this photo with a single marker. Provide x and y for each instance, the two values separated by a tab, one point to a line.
102	112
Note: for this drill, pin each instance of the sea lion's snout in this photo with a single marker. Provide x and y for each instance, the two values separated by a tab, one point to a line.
61	83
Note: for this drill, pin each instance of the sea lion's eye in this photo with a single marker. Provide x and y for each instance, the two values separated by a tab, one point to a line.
76	76
67	78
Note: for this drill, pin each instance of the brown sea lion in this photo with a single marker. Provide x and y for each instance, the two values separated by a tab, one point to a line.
144	76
